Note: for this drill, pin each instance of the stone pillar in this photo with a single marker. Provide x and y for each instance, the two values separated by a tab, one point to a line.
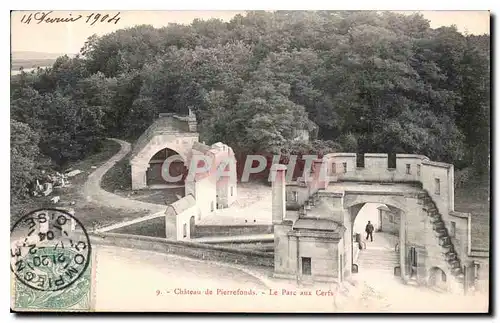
319	175
278	193
138	177
451	188
402	247
348	244
285	262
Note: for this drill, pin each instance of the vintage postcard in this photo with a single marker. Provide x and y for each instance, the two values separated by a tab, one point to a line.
250	162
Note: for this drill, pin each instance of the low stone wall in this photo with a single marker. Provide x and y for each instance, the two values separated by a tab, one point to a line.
231	230
255	246
184	248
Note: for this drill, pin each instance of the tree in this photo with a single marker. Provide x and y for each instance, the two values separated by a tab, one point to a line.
23	155
356	80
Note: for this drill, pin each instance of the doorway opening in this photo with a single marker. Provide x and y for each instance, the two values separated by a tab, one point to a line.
360	160
380	254
192	227
437	278
306	266
176	169
391	161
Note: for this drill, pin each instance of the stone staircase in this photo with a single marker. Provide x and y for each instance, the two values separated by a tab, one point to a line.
378	256
449	253
381	260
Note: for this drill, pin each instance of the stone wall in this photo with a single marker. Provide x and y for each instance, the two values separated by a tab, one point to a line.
483	275
391	222
204	192
459	228
284	251
292	248
185	223
184	248
231	230
296	195
376	169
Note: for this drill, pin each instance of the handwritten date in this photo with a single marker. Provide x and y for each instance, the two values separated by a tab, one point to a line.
49	17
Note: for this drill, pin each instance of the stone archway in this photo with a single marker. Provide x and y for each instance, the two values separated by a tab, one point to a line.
392	241
367	212
169	131
155	174
437	278
140	163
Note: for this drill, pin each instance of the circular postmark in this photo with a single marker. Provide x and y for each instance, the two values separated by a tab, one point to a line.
48	256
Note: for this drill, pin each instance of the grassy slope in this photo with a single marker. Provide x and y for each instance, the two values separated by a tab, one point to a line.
118	177
474	198
87	212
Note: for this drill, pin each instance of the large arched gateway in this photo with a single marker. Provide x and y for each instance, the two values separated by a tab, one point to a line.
313	219
177	169
161	158
169	135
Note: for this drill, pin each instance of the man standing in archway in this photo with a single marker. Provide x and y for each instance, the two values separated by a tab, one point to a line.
369	231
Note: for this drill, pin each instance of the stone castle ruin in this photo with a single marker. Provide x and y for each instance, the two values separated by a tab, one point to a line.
176	136
313	220
313	217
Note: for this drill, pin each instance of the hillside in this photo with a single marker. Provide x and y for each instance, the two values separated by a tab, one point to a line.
376	82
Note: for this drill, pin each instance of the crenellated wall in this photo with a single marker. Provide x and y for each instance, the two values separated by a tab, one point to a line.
436	178
376	167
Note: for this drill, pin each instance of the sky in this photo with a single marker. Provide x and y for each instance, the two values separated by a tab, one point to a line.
69	37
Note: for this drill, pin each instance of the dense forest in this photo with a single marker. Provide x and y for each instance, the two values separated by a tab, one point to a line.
359	81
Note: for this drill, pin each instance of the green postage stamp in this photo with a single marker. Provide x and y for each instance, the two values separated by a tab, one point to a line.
51	264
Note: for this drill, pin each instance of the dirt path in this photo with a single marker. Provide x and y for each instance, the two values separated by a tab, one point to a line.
94	193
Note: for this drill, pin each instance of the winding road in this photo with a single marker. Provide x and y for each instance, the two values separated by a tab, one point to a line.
94	193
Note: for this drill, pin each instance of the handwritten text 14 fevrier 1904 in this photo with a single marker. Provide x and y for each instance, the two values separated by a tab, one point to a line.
50	17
